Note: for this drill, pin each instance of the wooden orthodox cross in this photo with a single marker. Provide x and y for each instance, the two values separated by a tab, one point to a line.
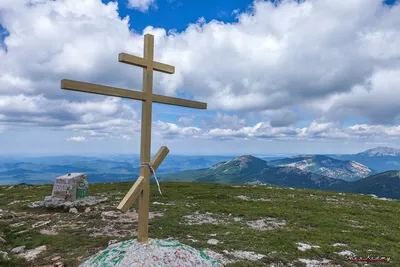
140	189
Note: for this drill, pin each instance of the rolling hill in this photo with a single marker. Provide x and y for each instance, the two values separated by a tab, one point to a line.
386	184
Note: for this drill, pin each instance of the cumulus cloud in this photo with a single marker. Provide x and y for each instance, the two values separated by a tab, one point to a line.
222	120
142	5
171	130
281	118
375	100
272	61
316	130
87	117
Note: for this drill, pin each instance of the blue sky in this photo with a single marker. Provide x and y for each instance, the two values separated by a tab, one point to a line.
178	14
291	77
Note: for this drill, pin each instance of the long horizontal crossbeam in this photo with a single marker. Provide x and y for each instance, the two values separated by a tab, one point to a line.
124	93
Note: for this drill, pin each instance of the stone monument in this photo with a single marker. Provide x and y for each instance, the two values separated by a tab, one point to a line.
69	191
71	186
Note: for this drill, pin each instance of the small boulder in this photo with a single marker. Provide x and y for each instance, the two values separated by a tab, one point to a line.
18	250
73	210
57	258
33	253
112	241
212	241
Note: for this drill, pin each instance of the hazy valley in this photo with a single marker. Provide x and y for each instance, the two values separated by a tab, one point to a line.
375	171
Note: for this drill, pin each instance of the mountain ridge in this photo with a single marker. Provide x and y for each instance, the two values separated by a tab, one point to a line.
347	170
381	151
251	170
380	159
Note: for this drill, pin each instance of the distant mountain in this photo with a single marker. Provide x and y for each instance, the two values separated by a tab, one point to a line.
386	184
252	170
240	166
226	171
65	169
99	169
271	158
18	171
326	166
381	152
249	169
313	172
294	177
5	166
380	159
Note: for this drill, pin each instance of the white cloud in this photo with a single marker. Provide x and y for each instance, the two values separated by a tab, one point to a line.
142	5
275	57
316	130
370	130
186	120
281	117
273	62
77	139
222	120
171	130
377	99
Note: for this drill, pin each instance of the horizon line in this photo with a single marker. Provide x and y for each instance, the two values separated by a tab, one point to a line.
88	155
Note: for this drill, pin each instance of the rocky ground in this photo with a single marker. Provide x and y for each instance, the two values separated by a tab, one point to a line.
249	225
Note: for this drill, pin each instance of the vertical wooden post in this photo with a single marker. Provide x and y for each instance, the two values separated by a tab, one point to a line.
145	143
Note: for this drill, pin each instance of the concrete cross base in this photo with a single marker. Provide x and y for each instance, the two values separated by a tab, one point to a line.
156	252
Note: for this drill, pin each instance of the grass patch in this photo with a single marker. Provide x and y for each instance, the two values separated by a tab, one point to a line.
319	218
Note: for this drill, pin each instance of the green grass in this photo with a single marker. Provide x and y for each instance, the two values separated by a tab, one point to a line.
315	220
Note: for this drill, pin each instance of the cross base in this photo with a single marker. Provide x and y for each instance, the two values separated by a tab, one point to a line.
140	190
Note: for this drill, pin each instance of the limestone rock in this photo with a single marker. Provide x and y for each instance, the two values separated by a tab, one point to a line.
73	210
53	202
212	241
153	253
33	253
18	250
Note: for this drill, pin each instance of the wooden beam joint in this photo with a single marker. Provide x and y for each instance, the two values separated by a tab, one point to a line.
144	63
137	187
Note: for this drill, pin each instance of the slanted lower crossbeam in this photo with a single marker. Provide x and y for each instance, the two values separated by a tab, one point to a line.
137	187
